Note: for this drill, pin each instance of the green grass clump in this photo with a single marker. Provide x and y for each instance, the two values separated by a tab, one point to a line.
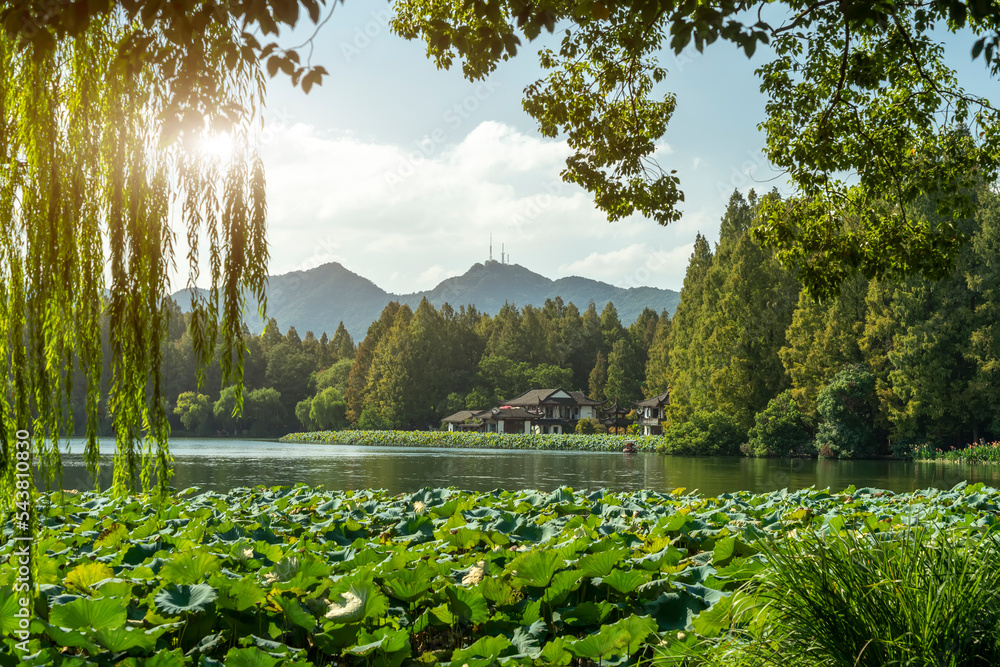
909	597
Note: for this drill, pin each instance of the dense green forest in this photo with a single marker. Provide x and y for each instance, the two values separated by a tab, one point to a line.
753	363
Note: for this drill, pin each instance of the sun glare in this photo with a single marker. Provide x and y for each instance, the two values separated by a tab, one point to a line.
217	146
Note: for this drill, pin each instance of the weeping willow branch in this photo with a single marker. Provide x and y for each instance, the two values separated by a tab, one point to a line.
92	165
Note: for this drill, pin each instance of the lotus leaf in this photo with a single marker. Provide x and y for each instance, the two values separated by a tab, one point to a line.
610	641
208	644
410	585
185	599
250	657
9	606
468	605
71	639
487	648
527	639
189	567
535	568
625	581
600	564
241	594
361	601
83	577
86	613
121	639
562	584
164	658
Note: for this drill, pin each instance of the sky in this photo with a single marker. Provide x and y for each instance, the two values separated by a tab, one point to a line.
402	172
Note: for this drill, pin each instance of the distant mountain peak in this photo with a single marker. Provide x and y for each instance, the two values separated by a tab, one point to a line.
318	299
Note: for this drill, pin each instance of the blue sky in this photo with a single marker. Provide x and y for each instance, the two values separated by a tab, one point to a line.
401	172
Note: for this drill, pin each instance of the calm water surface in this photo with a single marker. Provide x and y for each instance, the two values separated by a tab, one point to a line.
221	464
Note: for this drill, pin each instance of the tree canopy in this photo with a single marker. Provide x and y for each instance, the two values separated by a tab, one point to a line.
863	115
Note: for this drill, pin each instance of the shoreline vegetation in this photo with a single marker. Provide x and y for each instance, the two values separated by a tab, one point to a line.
601	442
981	452
300	576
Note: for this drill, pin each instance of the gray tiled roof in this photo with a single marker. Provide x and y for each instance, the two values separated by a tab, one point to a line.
540	396
656	401
464	415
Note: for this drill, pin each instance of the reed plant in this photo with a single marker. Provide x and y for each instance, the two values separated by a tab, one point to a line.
909	597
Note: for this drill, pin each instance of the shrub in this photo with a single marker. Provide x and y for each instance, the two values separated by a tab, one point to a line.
372	420
589	425
849	409
780	429
704	433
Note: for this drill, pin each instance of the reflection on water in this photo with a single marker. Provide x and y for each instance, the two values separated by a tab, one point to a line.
223	464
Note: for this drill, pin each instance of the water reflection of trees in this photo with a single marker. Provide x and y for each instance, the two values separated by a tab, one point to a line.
410	470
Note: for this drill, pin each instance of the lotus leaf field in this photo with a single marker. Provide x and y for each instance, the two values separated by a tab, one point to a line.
303	576
473	440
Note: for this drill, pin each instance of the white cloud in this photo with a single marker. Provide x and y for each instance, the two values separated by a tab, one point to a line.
408	216
634	265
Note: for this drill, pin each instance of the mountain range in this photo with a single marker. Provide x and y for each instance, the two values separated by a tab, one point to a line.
318	299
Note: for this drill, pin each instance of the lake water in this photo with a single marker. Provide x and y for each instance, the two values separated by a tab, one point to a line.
221	464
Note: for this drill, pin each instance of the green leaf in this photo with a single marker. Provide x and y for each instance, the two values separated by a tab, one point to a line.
121	639
711	622
724	549
173	658
89	613
639	628
625	582
488	648
555	652
83	577
410	585
250	657
535	568
601	564
297	615
184	599
9	607
189	567
363	600
71	638
562	584
607	642
241	594
587	613
468	605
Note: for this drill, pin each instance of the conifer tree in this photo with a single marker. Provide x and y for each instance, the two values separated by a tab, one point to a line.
343	344
657	376
357	381
598	378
